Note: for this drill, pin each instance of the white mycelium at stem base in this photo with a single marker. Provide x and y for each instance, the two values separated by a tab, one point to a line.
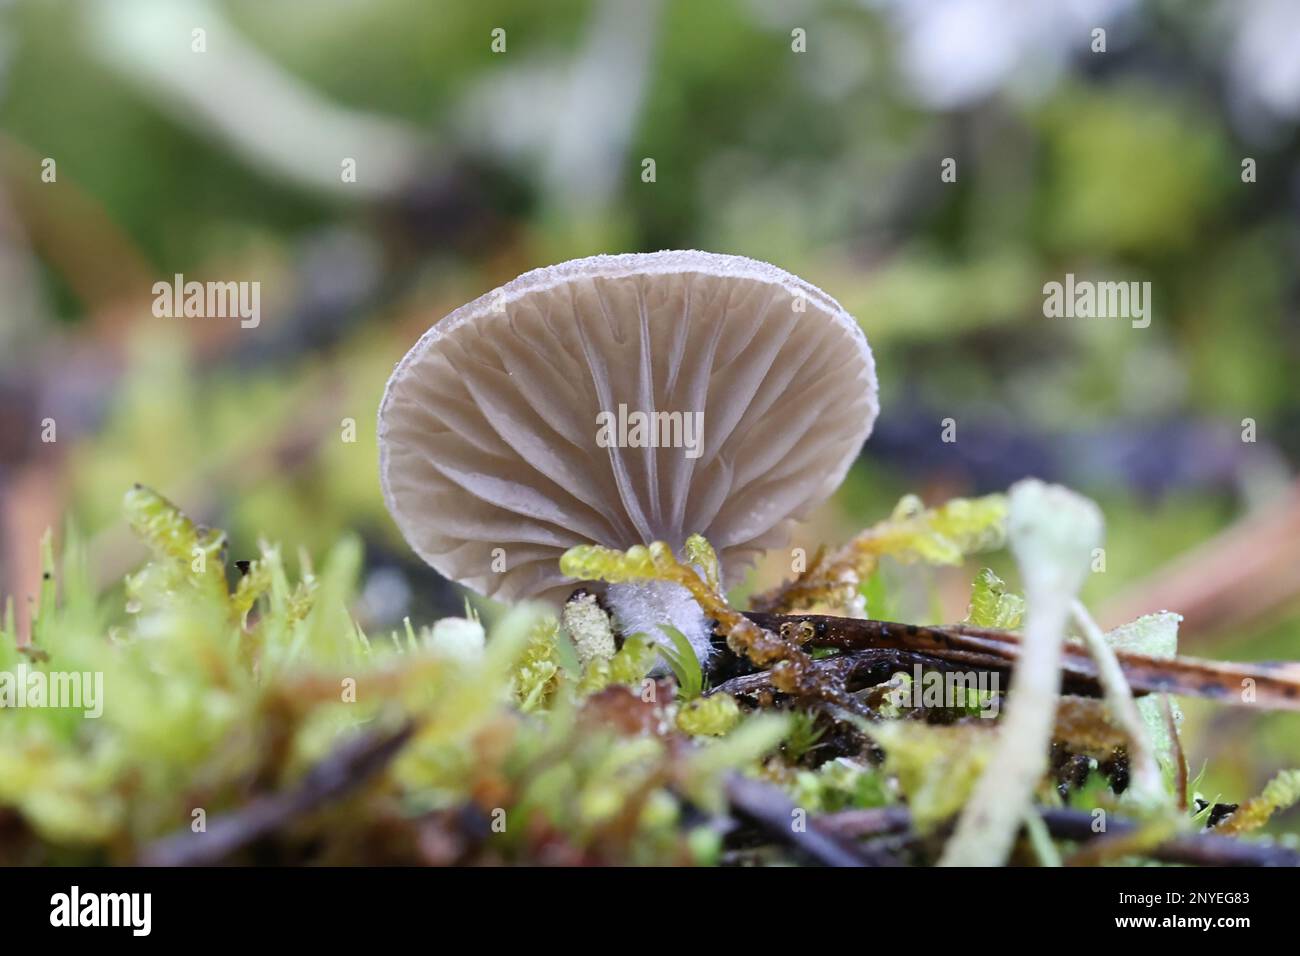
640	607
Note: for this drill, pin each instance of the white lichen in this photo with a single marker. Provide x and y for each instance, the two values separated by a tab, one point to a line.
588	625
458	638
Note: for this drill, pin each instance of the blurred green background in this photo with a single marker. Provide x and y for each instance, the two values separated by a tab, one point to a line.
472	166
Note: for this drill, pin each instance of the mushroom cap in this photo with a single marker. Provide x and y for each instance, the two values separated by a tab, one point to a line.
488	430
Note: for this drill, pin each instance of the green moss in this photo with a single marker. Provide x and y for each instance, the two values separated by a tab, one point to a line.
991	605
222	686
709	716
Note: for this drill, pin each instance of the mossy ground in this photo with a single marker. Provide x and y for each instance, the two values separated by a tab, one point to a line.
246	717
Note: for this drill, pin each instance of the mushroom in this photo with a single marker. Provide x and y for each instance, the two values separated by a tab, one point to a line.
620	400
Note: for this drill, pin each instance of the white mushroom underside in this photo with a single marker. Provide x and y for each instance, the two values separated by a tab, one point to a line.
488	429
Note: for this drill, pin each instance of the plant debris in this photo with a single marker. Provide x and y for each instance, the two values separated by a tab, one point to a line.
248	719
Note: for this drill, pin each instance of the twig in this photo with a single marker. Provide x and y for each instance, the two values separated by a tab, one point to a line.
768	808
844	668
871	822
1237	577
342	772
1274	685
1198	849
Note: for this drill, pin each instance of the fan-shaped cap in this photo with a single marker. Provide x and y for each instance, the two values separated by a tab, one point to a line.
619	400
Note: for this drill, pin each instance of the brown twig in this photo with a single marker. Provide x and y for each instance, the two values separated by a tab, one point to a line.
340	773
842	669
768	808
1238	577
1197	849
1275	685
